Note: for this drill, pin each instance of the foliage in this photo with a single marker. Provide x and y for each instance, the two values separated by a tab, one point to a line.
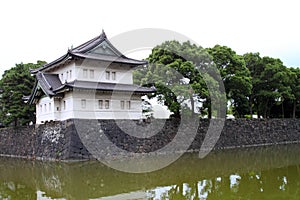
272	85
258	85
16	83
184	76
295	91
175	71
235	75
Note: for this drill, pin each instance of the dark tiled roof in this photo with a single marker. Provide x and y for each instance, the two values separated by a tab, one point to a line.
53	80
51	85
84	51
110	87
91	44
109	58
48	82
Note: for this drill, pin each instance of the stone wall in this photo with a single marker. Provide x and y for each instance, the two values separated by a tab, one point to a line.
75	139
17	141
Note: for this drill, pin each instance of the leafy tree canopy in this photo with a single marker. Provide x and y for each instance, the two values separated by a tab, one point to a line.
16	83
253	84
177	71
235	75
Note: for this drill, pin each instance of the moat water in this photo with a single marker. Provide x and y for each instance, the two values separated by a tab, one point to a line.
252	173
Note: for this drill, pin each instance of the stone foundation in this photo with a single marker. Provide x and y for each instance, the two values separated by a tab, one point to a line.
73	139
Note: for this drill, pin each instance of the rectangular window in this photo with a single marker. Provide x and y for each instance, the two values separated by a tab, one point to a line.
107	75
84	73
91	73
83	103
128	105
113	76
64	105
122	104
70	74
45	107
100	104
106	104
67	75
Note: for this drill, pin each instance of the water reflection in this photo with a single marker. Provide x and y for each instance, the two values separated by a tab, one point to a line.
281	183
254	173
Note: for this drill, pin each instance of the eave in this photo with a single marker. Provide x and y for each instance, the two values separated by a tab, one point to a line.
83	52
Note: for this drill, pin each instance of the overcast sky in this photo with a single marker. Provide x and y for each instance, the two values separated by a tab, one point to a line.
34	30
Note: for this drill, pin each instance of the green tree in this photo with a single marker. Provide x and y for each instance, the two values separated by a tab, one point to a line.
174	69
16	83
254	64
271	84
295	90
236	77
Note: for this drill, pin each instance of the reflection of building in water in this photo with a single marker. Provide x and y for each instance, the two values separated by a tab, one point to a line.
91	81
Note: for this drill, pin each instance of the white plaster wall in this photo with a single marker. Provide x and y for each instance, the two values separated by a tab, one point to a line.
123	72
65	70
66	107
44	114
73	108
107	115
92	110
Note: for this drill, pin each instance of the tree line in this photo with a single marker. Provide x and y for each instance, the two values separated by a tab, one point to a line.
16	83
254	85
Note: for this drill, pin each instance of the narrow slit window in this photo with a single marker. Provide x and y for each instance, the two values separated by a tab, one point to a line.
70	74
84	73
128	105
106	104
91	73
107	75
83	103
113	76
100	104
64	105
122	105
50	107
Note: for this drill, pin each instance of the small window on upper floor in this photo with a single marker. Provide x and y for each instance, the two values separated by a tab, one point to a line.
107	75
62	77
122	105
106	104
70	74
83	103
91	73
100	104
67	75
85	73
128	105
113	76
50	108
64	105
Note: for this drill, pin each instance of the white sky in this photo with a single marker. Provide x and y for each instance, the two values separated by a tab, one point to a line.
34	30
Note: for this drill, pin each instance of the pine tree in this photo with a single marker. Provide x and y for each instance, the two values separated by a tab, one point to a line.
16	83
